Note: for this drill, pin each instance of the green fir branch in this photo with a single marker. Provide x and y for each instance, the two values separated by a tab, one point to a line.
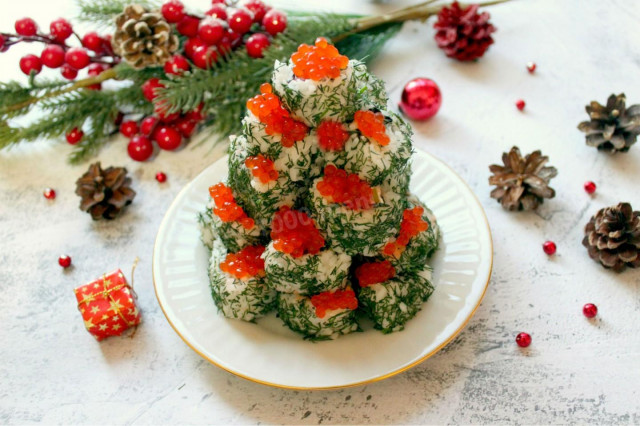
103	12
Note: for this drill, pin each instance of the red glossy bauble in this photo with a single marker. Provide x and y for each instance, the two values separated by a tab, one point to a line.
590	310
49	194
74	136
64	261
523	340
421	99
167	138
140	148
161	177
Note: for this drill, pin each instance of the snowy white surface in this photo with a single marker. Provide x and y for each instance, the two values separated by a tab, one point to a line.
576	370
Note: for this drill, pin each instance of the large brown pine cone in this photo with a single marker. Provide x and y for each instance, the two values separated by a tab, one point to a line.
613	127
104	193
463	34
143	38
612	237
522	183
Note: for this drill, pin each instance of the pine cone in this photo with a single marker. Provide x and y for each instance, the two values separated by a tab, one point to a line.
143	38
463	34
104	193
612	237
613	128
523	183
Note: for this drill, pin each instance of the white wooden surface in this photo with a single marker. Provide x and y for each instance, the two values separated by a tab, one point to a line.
576	370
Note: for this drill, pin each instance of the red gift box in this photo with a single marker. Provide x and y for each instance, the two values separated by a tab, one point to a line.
108	305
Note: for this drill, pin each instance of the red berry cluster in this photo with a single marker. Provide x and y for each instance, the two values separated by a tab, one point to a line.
95	54
223	28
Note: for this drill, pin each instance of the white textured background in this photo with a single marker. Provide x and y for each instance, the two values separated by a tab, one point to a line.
576	370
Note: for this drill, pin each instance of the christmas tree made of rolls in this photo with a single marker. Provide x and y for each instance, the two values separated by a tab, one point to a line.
316	220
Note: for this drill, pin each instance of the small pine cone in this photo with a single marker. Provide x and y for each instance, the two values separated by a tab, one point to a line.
463	34
612	237
104	193
143	38
613	128
522	183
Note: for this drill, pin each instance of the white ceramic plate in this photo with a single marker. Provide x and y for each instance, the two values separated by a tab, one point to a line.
268	352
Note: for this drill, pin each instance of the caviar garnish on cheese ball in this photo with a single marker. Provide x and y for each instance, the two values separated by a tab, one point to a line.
297	259
322	316
319	84
237	282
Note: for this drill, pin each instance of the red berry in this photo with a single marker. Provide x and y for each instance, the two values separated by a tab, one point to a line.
129	128
173	11
49	194
2	40
531	67
161	177
274	22
161	111
211	30
176	65
523	340
167	138
192	45
92	41
30	64
185	126
74	136
590	310
520	104
590	187
205	57
26	27
240	21
258	8
69	72
52	56
195	115
256	43
60	29
188	26
77	57
140	148
549	247
95	69
217	11
147	125
64	261
149	88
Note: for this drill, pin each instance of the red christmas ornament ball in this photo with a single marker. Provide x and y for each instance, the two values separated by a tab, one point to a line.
140	148
60	29
64	261
26	27
590	310
520	104
256	43
167	138
30	64
549	247
421	99
274	22
590	187
161	177
49	193
74	136
52	56
523	340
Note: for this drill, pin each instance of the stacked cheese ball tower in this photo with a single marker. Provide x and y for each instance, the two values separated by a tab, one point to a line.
316	220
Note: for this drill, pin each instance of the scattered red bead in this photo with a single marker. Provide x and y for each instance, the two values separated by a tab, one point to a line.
129	128
549	247
92	41
520	104
30	64
26	27
64	261
140	148
274	22
52	56
523	340
590	310
173	11
531	67
240	21
60	30
590	187
74	136
167	138
421	99
49	194
256	43
161	177
77	57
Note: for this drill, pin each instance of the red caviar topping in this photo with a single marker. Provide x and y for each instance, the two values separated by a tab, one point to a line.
339	187
374	273
226	207
262	168
268	109
319	61
371	124
332	136
412	224
295	233
339	299
244	264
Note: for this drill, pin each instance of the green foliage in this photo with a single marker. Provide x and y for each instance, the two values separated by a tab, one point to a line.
367	44
102	12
